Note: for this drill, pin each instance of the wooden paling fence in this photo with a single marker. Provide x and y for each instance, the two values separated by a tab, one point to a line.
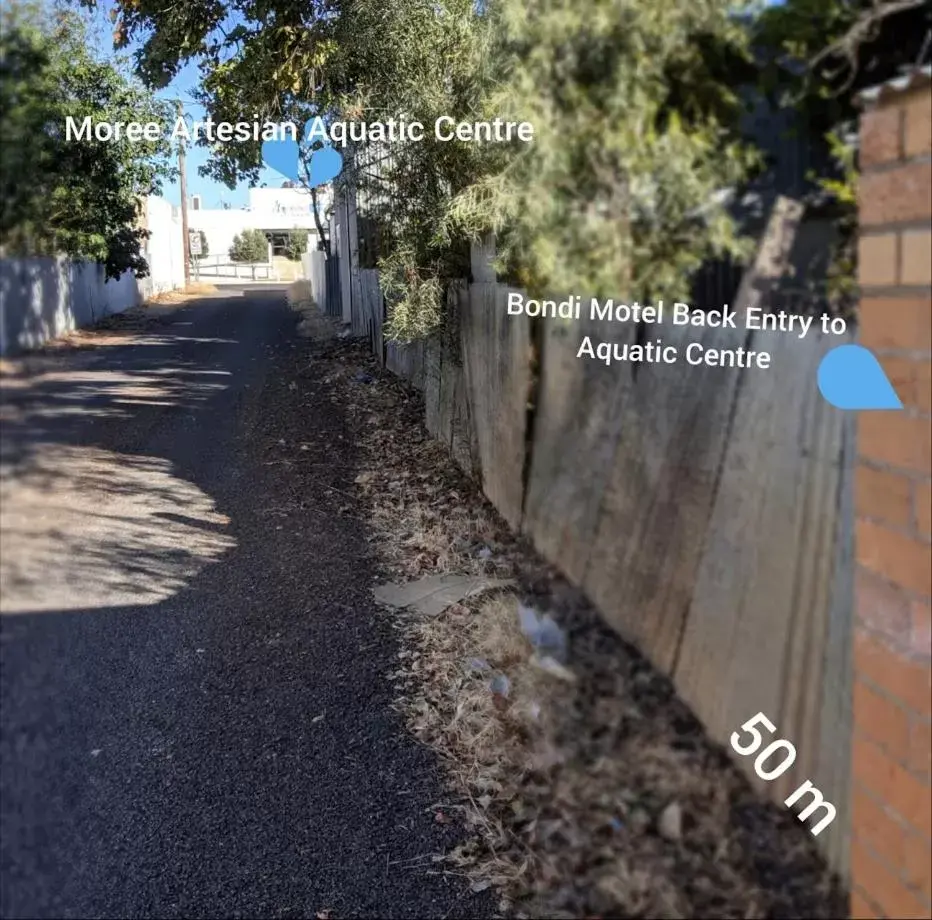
705	511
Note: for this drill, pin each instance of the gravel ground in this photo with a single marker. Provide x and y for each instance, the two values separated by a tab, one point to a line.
196	714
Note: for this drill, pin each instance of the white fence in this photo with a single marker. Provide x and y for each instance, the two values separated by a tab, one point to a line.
314	263
216	267
43	298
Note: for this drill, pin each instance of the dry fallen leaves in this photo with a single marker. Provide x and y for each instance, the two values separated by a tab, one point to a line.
589	791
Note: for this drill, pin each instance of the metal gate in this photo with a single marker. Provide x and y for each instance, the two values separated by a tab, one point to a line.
334	299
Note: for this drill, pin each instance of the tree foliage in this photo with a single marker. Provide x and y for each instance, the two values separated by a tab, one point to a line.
250	246
634	104
817	55
421	60
79	198
616	194
634	118
257	60
297	243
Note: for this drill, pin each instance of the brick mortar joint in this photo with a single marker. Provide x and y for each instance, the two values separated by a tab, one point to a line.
914	355
905	292
891	227
910	531
911	833
898	874
880	167
901	530
903	653
884	466
914	836
894	870
914	719
866	895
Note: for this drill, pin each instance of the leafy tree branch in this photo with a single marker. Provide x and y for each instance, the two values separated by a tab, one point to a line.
79	198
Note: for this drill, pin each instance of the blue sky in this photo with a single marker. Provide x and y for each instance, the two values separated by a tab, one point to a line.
213	194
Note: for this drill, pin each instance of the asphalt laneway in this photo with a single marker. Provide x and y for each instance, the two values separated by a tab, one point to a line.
196	719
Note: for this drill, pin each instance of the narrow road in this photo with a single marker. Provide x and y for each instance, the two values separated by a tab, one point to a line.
196	719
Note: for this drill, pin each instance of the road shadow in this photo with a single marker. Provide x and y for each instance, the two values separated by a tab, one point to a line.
196	715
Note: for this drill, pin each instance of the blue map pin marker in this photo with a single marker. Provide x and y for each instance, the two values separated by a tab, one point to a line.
850	377
282	156
326	164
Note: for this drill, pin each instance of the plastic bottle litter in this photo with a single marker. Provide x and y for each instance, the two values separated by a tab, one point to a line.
543	633
552	666
670	822
500	685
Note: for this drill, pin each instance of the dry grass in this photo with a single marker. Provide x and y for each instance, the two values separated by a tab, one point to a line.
300	295
314	323
420	535
200	287
471	693
194	289
419	515
566	785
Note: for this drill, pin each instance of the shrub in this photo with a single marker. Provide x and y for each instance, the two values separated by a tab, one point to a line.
297	244
250	246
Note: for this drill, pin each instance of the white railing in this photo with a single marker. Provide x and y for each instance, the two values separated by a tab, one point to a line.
224	267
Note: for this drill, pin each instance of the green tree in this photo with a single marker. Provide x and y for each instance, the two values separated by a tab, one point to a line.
297	243
79	198
250	246
618	193
631	100
817	55
426	60
636	130
256	59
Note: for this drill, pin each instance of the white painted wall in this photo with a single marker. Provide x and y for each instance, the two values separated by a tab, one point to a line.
164	250
279	209
290	202
219	227
43	298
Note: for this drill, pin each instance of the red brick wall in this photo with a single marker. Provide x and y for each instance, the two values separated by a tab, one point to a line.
891	847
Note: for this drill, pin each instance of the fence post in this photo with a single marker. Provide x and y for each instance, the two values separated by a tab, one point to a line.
480	259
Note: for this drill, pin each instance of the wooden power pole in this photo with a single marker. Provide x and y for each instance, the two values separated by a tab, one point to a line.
183	181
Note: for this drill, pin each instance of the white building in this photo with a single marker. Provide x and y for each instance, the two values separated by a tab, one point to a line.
274	211
164	247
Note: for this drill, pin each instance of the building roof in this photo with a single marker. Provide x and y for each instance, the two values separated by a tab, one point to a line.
918	77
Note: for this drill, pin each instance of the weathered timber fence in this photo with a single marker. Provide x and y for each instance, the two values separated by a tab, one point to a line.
705	511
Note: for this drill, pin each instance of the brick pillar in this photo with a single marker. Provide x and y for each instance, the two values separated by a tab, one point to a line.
891	846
